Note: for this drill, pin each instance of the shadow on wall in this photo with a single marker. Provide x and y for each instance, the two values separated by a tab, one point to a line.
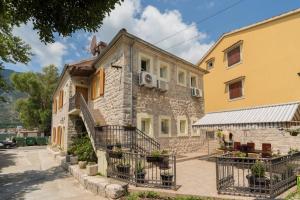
7	159
16	185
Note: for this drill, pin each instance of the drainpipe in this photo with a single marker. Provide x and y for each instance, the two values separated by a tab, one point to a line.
131	73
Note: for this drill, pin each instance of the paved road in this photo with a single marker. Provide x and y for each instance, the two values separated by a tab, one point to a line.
31	173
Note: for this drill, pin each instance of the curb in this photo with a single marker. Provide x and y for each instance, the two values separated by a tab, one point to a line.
98	185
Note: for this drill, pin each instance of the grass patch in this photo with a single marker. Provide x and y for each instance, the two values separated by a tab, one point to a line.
293	195
154	195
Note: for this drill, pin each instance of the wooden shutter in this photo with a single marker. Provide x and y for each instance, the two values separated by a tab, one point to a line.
93	91
101	81
233	56
55	105
235	90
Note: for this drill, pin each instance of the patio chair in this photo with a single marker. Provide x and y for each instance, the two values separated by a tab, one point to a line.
266	150
237	146
250	146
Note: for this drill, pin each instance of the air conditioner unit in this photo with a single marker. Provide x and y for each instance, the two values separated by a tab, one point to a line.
196	92
162	85
148	80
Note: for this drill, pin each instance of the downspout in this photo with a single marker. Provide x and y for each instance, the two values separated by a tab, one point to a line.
131	73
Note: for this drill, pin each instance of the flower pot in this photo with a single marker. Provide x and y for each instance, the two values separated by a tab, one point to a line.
117	155
73	160
123	171
166	179
92	170
258	184
140	176
164	164
154	159
68	158
82	164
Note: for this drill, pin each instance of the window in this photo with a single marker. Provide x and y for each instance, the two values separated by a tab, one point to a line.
98	83
181	77
165	126
194	81
145	63
235	89
144	123
210	63
234	56
164	71
182	126
210	135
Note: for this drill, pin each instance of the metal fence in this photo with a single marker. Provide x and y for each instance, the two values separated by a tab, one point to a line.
257	177
128	137
143	170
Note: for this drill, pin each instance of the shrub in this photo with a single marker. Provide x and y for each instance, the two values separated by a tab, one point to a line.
30	141
41	140
258	169
20	141
82	147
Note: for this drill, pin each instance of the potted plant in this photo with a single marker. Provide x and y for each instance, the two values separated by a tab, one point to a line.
166	179
157	156
257	179
116	153
123	170
140	173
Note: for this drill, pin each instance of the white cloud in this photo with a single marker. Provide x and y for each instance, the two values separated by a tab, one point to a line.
152	25
43	54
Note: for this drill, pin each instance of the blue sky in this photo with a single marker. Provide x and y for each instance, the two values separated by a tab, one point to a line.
154	20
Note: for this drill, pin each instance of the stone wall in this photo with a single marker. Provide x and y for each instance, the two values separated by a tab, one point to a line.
280	140
111	105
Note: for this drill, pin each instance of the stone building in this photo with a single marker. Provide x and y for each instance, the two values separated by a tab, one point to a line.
132	83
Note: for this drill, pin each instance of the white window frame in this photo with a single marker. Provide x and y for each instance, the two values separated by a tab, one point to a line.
197	79
141	56
180	118
197	131
211	60
178	71
160	118
141	116
160	63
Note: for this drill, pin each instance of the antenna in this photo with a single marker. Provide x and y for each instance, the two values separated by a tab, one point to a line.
93	47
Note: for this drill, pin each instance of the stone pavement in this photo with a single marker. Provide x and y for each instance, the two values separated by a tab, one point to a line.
31	173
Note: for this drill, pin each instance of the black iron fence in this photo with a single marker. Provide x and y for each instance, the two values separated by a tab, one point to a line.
258	177
127	137
143	170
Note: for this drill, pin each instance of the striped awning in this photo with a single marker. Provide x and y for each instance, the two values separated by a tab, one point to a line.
280	115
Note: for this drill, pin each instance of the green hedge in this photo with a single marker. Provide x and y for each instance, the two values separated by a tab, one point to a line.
41	140
20	141
30	141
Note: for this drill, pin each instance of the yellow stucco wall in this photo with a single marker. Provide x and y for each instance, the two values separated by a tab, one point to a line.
270	63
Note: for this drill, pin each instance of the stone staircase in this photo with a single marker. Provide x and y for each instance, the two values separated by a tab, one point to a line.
102	135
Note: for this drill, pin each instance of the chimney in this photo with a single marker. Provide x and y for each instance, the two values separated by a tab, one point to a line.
101	46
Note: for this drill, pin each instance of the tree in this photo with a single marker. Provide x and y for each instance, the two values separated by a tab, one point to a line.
35	110
63	17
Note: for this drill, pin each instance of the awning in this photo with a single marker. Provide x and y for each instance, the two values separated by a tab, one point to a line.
280	115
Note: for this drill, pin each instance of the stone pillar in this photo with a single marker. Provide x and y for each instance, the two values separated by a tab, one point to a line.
102	162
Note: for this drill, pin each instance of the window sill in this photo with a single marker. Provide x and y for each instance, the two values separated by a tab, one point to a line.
182	85
164	135
234	65
236	99
182	135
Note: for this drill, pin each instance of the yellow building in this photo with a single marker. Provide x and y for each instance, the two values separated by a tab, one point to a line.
254	66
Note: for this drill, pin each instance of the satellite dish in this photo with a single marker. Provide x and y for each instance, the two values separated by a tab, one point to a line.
93	46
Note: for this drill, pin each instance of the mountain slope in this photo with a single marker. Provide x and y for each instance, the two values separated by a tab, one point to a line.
8	115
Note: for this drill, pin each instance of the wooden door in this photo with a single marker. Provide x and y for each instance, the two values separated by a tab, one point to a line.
83	91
